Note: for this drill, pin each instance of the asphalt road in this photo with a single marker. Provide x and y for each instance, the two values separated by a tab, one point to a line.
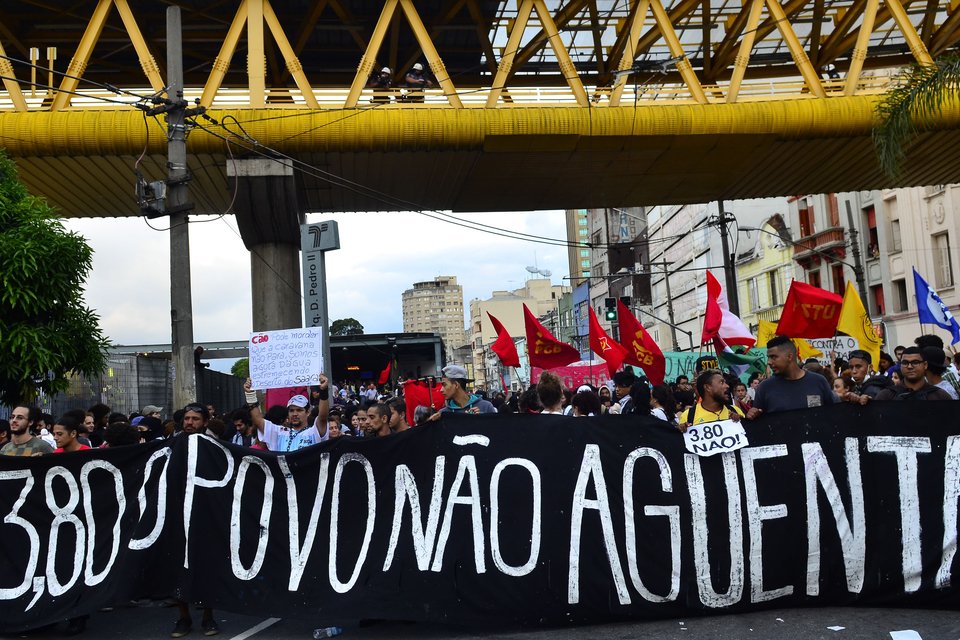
786	624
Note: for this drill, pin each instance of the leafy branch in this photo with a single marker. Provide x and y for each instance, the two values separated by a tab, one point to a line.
912	106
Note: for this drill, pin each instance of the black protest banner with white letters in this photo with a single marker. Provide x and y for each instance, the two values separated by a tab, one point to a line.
541	519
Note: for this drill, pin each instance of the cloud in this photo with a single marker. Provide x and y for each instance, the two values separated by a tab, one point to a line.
381	255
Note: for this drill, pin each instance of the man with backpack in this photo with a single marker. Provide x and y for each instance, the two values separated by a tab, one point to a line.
714	404
913	369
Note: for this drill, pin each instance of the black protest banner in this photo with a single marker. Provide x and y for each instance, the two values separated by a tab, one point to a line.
541	519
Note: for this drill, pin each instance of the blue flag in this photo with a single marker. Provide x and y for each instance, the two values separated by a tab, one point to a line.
932	310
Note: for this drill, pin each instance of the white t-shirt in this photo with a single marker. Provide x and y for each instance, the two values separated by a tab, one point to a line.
281	439
657	412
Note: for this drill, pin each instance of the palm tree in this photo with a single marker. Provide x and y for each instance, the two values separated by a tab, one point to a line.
914	104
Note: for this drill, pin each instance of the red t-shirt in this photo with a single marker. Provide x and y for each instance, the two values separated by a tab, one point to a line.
60	449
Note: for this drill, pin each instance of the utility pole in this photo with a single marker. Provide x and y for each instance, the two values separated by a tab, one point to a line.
729	260
857	262
672	323
178	206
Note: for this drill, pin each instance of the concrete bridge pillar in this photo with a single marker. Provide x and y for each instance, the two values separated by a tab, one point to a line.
269	220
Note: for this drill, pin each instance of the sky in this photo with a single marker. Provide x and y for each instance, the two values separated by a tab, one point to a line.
381	255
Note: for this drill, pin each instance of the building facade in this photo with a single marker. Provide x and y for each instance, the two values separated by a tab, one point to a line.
764	271
436	306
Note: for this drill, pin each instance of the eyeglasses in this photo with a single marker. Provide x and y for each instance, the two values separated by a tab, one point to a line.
912	363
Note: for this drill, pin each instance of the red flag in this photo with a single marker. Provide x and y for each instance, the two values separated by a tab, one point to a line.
809	312
385	374
604	346
504	346
416	393
543	349
641	350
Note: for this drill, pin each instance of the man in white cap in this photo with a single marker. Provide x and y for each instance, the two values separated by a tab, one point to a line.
152	410
297	434
381	83
453	384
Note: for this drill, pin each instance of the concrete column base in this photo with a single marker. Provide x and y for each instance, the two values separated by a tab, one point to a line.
275	282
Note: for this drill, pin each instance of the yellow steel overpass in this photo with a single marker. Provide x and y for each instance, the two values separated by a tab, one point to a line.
534	104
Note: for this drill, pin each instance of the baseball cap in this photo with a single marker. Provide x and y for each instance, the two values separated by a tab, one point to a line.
385	70
454	372
136	421
298	401
418	67
152	408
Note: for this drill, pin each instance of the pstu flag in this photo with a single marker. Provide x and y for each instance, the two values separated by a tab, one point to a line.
604	346
932	310
809	312
545	351
504	346
641	350
856	323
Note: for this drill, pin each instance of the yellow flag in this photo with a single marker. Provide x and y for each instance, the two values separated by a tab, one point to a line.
856	323
806	350
765	332
768	330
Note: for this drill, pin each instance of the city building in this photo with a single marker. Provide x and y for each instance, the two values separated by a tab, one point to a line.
436	306
684	242
578	257
539	294
764	271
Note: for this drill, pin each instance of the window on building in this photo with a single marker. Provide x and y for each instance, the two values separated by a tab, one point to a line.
873	239
754	294
585	264
879	304
900	300
584	253
942	261
583	232
813	278
836	273
896	244
834	207
807	227
584	274
773	283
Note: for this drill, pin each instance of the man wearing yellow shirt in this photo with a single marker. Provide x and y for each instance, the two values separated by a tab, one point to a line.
714	404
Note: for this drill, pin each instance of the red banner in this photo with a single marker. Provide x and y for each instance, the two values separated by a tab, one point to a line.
577	373
417	392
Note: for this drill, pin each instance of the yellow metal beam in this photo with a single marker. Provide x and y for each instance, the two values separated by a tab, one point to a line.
256	59
796	49
114	132
859	54
78	64
917	48
147	61
567	68
370	56
221	63
635	28
430	53
746	47
289	56
510	52
676	51
10	82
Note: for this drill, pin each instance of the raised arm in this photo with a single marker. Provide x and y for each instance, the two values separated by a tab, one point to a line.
256	416
323	406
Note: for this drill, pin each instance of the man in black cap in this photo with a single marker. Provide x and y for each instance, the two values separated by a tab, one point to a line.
936	366
453	384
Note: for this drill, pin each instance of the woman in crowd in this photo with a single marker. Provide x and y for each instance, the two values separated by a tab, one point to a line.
662	402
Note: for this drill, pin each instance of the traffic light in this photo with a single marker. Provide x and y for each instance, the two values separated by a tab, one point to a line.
610	304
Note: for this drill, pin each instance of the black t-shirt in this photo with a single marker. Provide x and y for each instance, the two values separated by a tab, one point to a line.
926	392
779	394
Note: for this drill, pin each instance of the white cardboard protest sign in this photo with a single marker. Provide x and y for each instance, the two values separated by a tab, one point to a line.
710	438
286	358
841	346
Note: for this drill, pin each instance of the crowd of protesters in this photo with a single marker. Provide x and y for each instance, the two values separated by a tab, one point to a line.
327	412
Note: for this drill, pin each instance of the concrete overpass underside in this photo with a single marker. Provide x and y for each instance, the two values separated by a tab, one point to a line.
522	158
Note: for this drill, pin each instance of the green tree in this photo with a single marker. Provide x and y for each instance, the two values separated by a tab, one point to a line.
346	327
46	331
241	368
912	106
